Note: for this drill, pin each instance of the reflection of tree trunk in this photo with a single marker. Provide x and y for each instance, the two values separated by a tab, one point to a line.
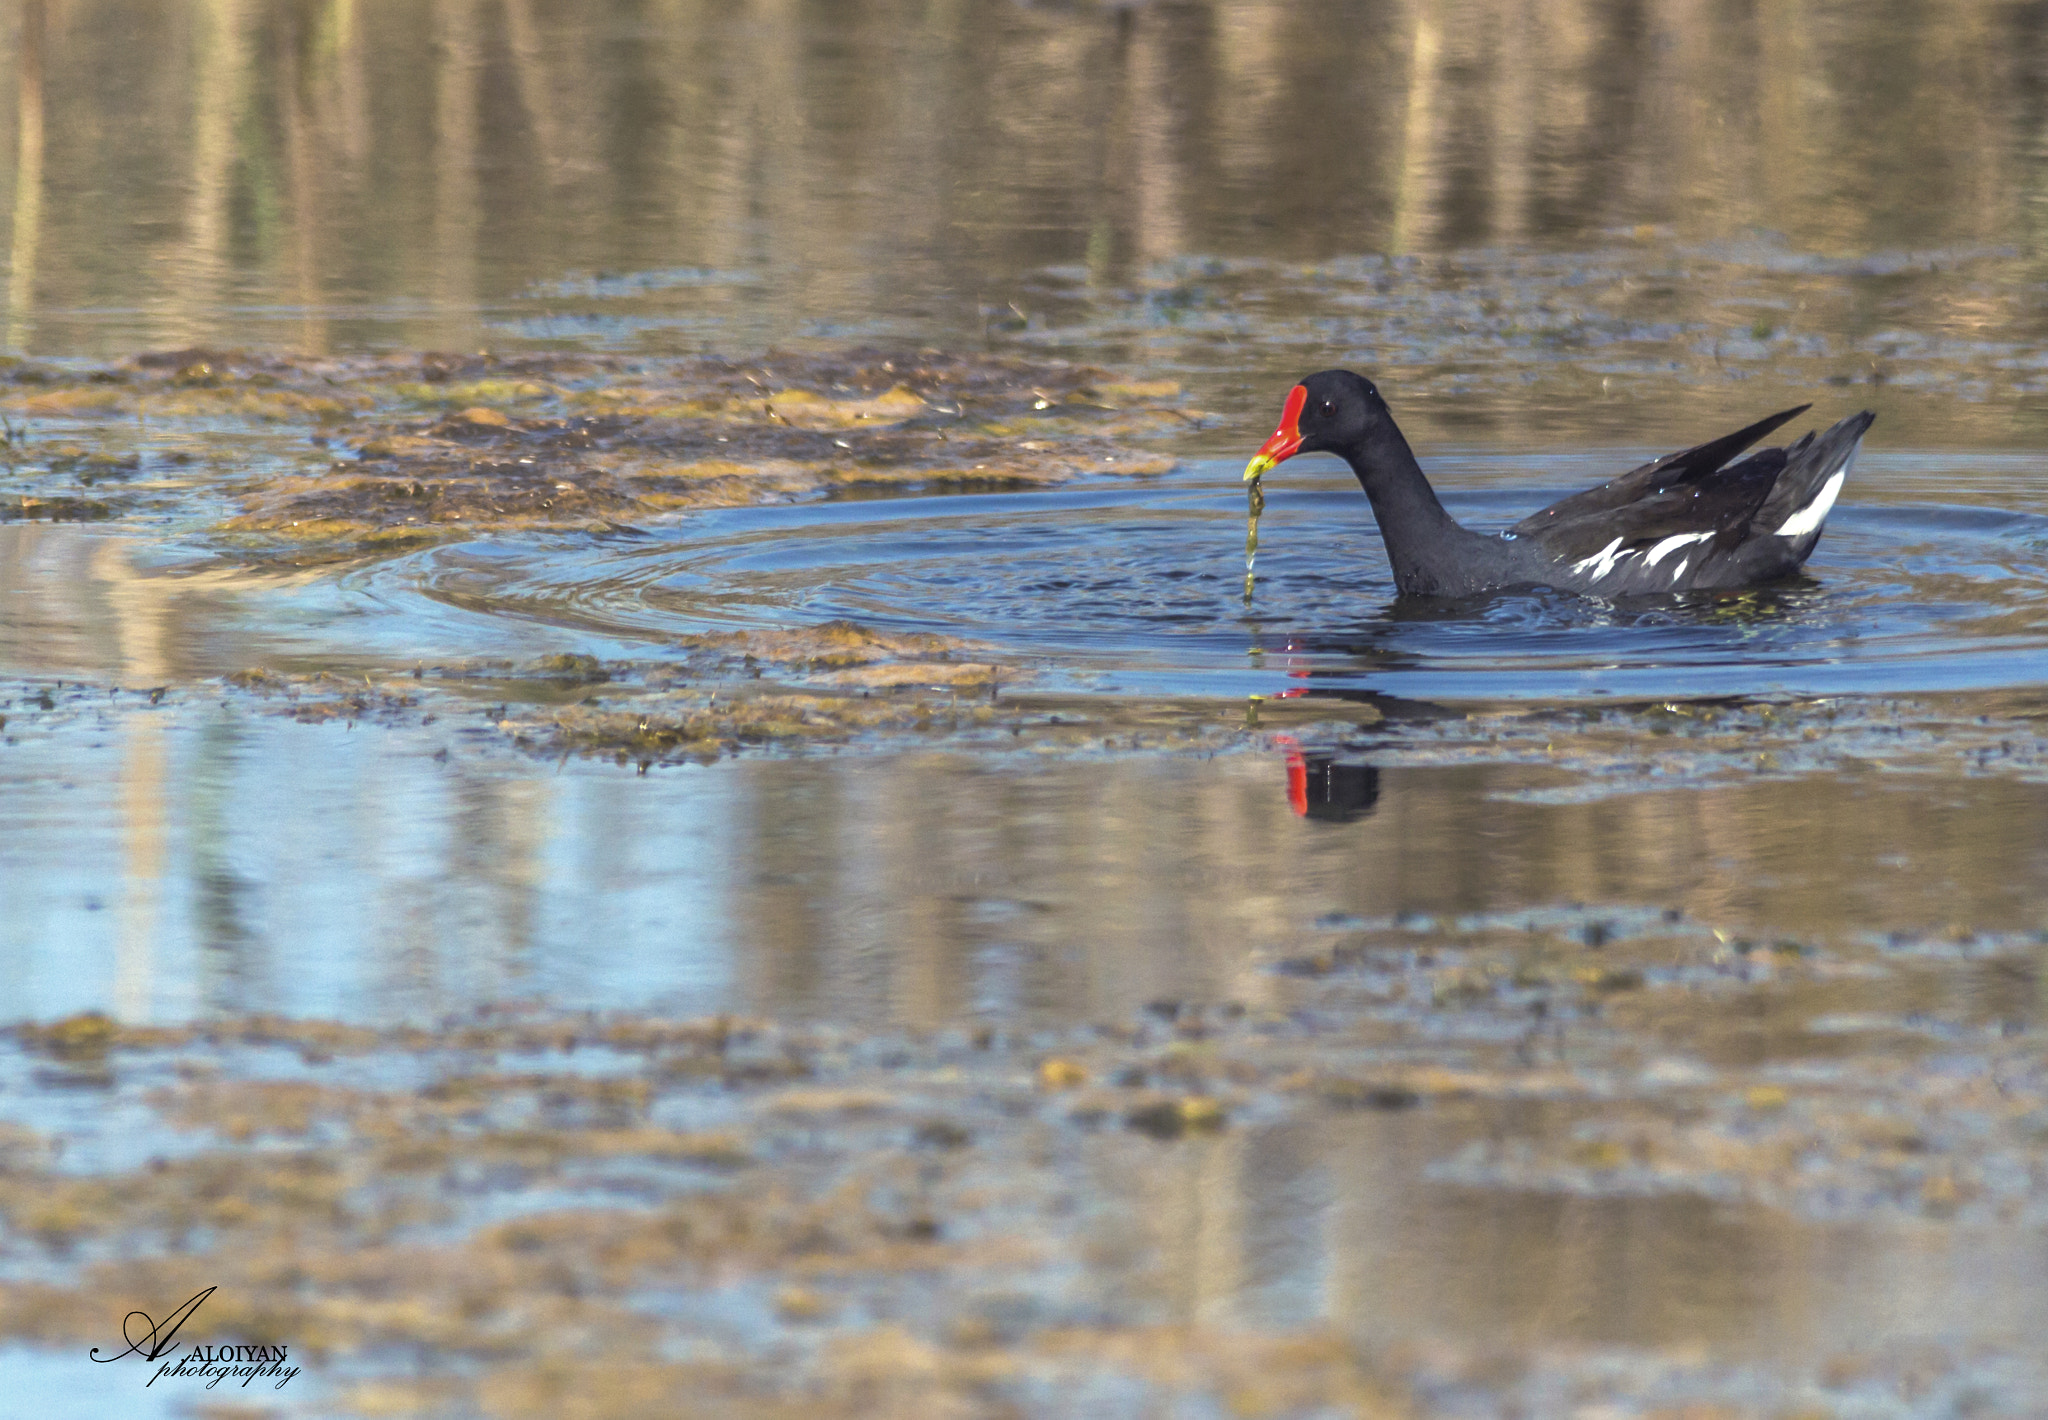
234	962
338	59
1415	198
1159	227
402	926
1514	119
28	177
510	847
1372	1224
530	72
912	196
1250	56
1217	1245
1961	36
219	91
336	105
303	179
918	938
141	608
721	180
142	834
694	134
1697	179
780	189
792	835
455	182
1112	120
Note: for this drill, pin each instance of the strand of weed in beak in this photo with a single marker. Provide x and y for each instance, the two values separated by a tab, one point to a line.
1255	504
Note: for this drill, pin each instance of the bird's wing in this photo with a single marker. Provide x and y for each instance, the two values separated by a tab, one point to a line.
1715	511
1689	467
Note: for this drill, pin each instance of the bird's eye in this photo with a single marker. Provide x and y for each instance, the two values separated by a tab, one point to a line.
1328	409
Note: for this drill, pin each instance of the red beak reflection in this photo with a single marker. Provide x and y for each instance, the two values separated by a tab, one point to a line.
1320	787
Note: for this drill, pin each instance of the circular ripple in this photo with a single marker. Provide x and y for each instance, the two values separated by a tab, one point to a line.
1138	588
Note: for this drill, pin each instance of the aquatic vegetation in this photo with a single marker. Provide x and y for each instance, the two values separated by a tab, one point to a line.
849	1217
1020	978
432	448
482	1188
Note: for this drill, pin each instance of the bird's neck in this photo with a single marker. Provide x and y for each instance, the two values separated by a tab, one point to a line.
1420	536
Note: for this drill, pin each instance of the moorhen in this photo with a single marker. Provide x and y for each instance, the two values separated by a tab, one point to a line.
1687	522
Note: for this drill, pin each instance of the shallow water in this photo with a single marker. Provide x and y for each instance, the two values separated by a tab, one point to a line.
1115	586
1136	590
1321	1005
179	863
350	174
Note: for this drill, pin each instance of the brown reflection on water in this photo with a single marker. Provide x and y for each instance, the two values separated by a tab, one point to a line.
27	228
261	864
138	616
79	605
1333	1222
173	168
927	888
920	886
1304	1222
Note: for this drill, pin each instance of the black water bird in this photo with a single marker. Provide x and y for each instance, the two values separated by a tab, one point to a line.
1689	521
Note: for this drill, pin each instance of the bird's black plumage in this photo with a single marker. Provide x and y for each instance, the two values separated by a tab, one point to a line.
1697	519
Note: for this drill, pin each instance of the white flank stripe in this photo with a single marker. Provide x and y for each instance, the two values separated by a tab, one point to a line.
1679	570
1813	514
1606	557
1672	544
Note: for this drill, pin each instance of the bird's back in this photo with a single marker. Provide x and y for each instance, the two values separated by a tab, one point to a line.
1692	520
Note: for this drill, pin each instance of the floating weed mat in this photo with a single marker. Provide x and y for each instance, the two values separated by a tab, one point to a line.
724	693
431	447
968	1220
778	691
33	509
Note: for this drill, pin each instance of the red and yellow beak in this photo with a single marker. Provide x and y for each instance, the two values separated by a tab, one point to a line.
1286	440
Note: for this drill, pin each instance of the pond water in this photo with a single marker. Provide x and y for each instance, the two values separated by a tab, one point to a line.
172	864
1138	590
1115	586
1534	1005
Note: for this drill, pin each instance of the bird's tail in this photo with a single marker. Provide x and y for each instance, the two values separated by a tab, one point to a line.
1815	469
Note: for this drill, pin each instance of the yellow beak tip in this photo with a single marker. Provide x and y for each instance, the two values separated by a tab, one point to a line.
1256	467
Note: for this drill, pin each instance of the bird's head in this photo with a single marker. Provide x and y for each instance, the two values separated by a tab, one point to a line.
1331	410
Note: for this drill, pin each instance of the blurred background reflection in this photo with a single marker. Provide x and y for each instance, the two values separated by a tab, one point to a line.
317	173
170	865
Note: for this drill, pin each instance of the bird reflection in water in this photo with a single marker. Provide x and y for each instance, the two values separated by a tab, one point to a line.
1320	786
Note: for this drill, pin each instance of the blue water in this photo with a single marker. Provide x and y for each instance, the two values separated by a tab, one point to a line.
1137	588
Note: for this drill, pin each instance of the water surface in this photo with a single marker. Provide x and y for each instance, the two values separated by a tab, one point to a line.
177	863
1519	1007
1137	590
